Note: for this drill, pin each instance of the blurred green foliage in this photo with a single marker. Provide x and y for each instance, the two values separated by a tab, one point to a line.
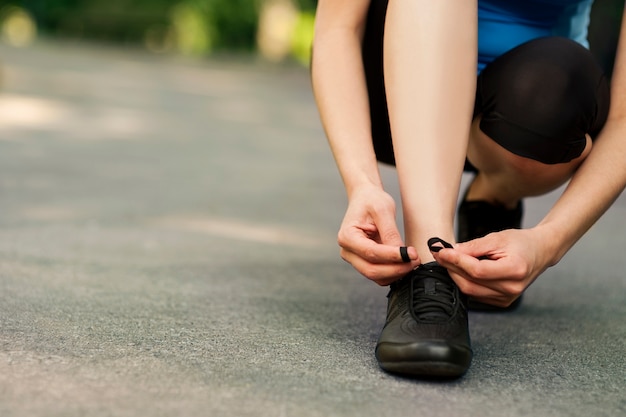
115	20
226	24
198	27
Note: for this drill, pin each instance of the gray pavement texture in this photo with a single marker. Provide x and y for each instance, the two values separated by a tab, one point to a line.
167	248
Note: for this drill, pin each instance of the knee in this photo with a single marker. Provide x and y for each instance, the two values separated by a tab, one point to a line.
545	78
542	98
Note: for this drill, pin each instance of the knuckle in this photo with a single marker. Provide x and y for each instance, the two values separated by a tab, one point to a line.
519	289
520	271
370	273
377	274
342	240
465	287
500	303
513	288
369	254
476	272
402	270
340	237
390	236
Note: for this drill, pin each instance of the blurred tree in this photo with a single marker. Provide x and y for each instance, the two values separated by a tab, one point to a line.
17	26
232	24
306	5
235	22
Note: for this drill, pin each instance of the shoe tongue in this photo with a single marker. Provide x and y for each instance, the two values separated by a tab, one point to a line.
433	304
430	286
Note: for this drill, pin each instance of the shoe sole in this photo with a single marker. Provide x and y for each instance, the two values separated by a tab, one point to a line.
443	370
426	359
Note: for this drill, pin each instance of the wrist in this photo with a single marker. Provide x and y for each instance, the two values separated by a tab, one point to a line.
355	184
553	242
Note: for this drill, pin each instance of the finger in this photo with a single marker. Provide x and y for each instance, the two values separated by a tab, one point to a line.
484	247
482	293
404	254
473	268
476	291
497	301
493	298
504	288
382	274
377	253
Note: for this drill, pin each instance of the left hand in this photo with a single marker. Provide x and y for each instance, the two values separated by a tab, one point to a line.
497	268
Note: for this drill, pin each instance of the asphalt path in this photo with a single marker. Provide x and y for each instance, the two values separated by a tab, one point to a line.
167	248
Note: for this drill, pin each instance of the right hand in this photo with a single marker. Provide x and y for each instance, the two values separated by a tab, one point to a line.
496	269
369	237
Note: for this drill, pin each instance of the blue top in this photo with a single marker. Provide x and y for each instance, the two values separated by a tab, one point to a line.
504	24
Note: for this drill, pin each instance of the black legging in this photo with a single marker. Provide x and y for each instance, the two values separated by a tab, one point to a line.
537	100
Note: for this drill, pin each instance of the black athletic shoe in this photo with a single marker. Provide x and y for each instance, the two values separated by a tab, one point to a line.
479	218
426	333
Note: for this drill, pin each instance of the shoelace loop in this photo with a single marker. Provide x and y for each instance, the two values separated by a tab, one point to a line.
434	241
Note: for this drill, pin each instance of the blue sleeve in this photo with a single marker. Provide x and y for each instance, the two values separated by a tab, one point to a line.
505	24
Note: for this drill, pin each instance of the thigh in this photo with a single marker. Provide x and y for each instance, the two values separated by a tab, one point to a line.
373	64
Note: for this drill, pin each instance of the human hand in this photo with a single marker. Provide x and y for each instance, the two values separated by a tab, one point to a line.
369	237
497	268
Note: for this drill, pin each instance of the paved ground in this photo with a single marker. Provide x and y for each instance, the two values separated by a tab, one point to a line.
167	248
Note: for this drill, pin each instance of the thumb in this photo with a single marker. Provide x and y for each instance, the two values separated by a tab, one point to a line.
476	248
448	257
458	263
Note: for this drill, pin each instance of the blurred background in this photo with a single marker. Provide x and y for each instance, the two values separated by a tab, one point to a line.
167	232
278	30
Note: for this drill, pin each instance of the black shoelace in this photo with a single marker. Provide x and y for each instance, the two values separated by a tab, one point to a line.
434	294
433	298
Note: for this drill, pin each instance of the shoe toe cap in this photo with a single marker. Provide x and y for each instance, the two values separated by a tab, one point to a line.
424	358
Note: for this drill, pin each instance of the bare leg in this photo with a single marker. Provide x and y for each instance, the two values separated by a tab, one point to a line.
430	76
505	178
